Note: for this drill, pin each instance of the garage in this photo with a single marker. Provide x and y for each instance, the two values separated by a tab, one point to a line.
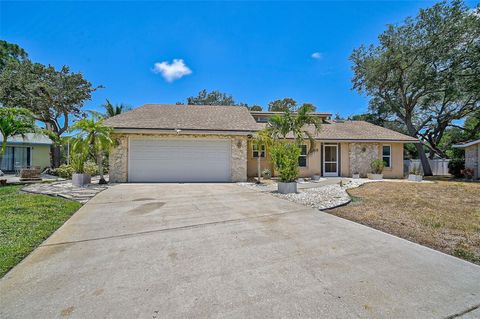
179	160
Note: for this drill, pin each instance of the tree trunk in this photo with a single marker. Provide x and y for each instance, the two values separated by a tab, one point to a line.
4	145
56	155
258	169
100	167
427	170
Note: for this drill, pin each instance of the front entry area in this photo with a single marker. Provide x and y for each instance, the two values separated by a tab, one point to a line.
330	160
179	160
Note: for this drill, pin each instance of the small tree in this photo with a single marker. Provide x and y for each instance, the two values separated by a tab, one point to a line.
285	158
112	110
295	123
262	139
15	121
97	136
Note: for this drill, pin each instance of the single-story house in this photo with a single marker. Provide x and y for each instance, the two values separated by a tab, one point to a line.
472	155
194	143
26	151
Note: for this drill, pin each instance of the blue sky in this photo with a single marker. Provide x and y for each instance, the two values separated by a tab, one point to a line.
256	51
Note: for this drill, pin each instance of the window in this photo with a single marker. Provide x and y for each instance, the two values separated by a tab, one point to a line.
262	119
302	159
256	152
387	155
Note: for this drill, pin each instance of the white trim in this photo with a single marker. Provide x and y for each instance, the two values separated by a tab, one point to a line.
330	174
466	145
389	156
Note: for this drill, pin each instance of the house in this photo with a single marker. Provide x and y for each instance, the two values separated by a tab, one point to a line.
29	150
193	143
472	155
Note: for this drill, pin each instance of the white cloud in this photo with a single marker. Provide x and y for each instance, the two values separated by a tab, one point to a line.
317	55
172	71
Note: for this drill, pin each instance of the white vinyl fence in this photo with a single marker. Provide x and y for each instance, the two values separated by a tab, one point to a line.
439	166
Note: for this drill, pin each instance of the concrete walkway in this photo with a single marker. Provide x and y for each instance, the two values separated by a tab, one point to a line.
221	250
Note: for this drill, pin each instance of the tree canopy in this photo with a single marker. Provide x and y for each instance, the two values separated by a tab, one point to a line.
15	121
282	105
10	52
55	97
424	72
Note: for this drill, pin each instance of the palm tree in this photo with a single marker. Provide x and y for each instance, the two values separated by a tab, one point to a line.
15	121
92	132
296	123
261	139
112	110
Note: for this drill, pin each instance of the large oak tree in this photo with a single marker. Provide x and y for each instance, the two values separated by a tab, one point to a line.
425	72
55	97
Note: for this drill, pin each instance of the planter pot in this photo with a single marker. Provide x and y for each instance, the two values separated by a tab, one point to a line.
375	177
287	188
81	179
356	176
316	177
415	178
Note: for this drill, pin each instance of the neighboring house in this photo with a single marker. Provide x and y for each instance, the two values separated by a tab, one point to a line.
27	151
472	155
193	143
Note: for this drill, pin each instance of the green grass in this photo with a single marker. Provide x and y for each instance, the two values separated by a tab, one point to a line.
26	220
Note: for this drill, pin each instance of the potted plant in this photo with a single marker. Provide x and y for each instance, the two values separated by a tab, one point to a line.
356	174
377	169
415	174
285	158
77	161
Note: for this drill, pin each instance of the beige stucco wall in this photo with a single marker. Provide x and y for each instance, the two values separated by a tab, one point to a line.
41	156
119	154
312	168
472	158
344	160
353	157
252	162
396	171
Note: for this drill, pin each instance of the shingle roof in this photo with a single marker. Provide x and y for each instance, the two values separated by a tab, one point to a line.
188	117
28	138
466	144
356	131
237	118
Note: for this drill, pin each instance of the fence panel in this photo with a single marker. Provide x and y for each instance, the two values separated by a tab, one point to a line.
439	166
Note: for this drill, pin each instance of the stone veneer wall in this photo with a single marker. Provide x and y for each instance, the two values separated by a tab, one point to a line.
118	160
119	154
238	160
361	155
472	154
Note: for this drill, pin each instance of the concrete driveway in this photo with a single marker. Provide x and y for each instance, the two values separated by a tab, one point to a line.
220	250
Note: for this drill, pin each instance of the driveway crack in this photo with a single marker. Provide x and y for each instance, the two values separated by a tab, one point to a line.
171	229
461	314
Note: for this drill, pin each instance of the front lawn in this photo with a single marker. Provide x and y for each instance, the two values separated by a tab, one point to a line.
26	220
441	215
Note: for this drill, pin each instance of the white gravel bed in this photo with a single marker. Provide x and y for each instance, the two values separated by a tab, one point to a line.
322	197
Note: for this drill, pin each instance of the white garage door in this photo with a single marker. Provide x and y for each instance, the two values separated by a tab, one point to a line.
156	160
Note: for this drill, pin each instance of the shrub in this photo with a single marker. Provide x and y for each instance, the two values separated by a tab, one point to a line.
456	166
78	162
64	171
90	168
377	166
285	158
